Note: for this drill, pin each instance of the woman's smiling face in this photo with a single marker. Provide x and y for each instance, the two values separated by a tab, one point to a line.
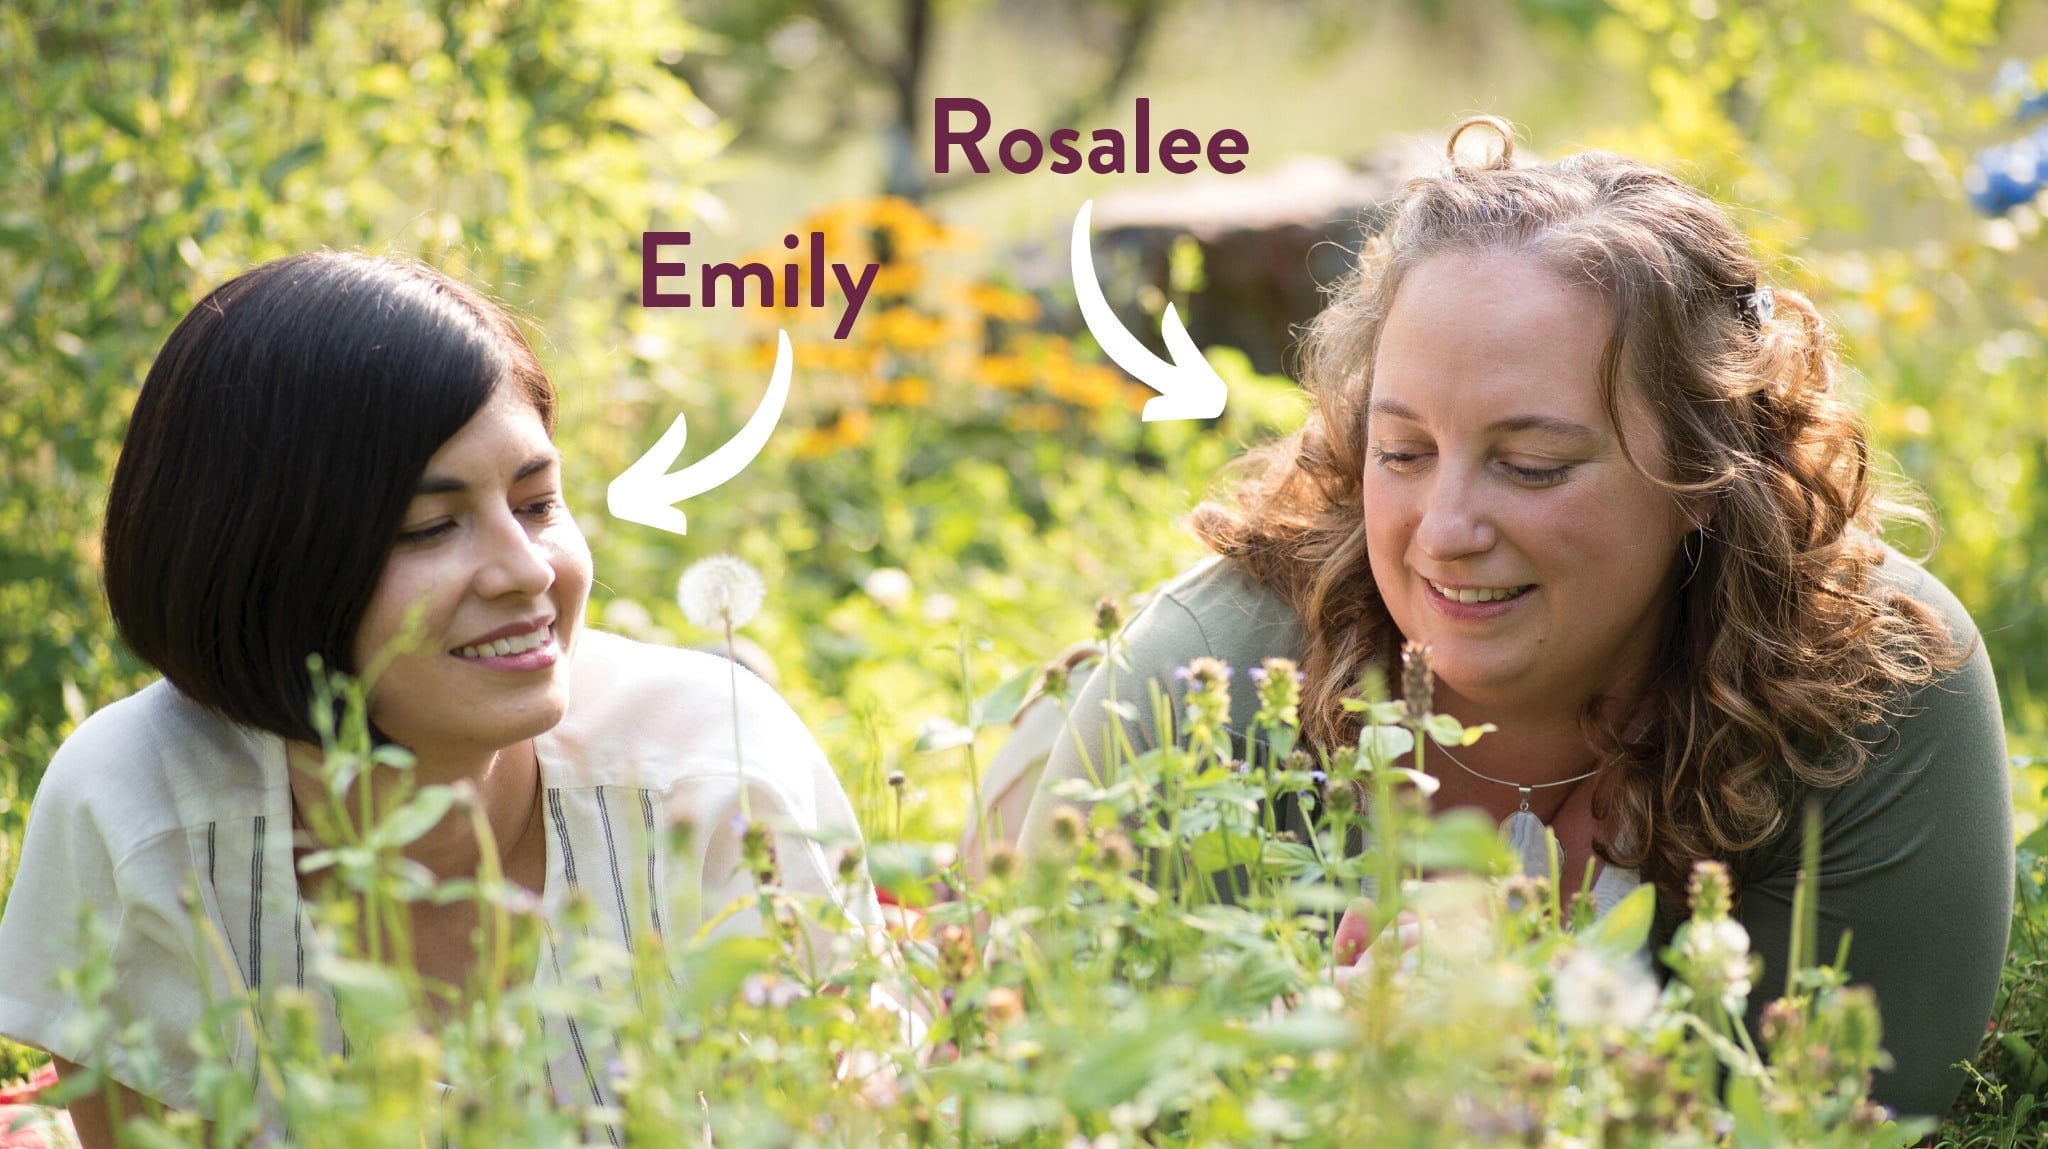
1504	525
497	572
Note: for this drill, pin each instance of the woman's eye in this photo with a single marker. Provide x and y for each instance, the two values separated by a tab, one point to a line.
1538	476
543	509
1393	460
426	533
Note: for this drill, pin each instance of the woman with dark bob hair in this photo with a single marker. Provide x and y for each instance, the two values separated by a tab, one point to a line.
350	457
1561	433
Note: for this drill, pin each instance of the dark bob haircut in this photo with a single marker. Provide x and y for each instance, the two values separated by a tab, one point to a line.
273	450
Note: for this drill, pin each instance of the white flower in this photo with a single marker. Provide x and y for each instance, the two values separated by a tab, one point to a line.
719	592
889	587
1718	952
940	608
1592	990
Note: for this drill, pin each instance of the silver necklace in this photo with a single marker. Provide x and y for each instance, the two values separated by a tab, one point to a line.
1525	832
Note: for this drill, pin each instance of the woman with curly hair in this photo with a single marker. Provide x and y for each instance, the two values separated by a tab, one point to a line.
1562	433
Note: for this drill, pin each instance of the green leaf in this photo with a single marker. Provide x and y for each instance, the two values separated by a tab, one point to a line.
409	822
1007	1116
1626	928
275	172
1293	859
714	971
120	119
1754	1128
999	707
1466	841
941	734
1222	849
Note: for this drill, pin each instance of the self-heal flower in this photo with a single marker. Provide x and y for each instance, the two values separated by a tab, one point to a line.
1208	698
1418	684
1279	684
720	593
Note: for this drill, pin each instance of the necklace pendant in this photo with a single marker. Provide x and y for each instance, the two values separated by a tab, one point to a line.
1524	807
1533	843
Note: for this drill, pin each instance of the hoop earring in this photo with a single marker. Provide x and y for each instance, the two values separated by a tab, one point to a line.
1692	558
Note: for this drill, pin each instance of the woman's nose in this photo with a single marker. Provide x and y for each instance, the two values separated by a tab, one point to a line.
1455	521
515	560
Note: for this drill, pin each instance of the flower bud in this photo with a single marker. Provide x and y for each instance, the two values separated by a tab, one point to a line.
1004	1005
957	959
1109	618
1418	684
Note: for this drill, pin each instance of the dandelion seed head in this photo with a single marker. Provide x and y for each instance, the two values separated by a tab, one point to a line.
1593	991
719	592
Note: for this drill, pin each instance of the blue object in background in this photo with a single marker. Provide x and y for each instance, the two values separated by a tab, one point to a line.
2004	176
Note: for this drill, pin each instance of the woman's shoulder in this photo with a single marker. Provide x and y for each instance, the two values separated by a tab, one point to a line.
1910	578
155	762
1218	608
644	714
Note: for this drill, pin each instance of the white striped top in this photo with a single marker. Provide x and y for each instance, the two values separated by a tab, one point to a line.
154	796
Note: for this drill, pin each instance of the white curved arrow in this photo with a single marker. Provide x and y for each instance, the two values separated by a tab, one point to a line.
1188	387
646	493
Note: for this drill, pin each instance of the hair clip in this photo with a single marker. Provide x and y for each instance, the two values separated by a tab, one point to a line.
1756	305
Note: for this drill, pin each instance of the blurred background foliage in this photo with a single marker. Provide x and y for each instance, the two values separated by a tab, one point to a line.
964	464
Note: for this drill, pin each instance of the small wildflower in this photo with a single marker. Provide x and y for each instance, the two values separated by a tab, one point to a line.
720	592
1713	955
850	864
957	959
1057	679
1279	684
1418	684
1002	861
1067	826
1004	1005
1208	697
1593	991
1709	891
1109	618
758	851
897	780
1116	851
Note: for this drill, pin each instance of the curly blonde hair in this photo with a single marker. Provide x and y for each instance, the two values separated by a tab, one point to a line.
1778	642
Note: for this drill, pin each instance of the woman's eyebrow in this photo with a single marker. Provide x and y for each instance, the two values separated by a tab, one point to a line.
450	485
1548	424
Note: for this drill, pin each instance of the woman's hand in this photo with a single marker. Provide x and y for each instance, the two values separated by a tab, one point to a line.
1354	945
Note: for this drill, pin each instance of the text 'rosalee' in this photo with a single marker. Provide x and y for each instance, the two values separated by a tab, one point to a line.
799	284
961	123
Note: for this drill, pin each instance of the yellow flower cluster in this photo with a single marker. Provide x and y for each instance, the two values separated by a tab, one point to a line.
930	331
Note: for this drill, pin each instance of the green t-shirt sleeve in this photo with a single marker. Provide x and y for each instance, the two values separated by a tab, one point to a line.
1213	610
1917	866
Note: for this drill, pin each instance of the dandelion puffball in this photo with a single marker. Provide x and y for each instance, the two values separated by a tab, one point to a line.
719	592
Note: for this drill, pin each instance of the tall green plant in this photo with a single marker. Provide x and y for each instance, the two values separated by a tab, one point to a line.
148	151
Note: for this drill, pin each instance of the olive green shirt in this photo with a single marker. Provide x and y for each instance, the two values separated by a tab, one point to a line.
1916	852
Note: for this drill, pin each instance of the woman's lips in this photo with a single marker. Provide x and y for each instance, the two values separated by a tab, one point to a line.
1451	608
538	657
